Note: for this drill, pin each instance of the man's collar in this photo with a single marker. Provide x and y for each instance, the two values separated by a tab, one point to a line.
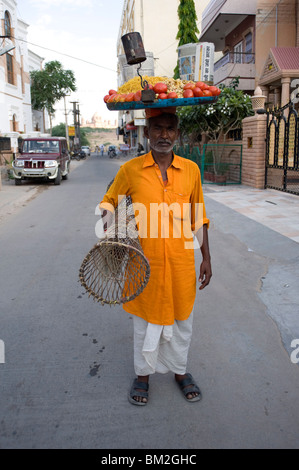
149	161
176	162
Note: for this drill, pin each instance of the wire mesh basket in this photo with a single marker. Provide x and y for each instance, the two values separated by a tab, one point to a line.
115	270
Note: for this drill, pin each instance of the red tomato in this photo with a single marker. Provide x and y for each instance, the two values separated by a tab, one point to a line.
189	86
215	90
160	88
207	93
106	98
172	95
130	97
137	96
112	92
122	98
188	93
116	98
162	96
197	92
112	98
155	112
202	85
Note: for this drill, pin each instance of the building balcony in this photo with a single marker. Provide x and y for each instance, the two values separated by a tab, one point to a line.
236	64
221	17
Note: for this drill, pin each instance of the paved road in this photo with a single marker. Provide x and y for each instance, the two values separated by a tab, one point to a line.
68	361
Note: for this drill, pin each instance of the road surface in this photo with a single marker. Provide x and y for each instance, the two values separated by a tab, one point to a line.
69	361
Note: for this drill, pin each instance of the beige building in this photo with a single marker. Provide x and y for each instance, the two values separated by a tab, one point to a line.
158	30
98	122
230	25
259	40
277	46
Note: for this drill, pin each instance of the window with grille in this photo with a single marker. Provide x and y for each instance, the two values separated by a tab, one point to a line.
9	64
238	53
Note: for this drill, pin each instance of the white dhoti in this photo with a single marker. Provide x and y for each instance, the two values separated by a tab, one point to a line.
159	348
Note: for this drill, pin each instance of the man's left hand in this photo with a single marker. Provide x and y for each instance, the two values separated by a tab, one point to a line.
205	273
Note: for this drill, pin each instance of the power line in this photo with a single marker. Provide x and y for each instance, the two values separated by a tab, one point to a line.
161	52
66	55
111	70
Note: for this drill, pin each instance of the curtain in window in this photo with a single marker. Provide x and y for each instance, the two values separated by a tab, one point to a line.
248	48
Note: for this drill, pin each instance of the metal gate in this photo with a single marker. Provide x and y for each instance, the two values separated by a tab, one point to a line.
282	150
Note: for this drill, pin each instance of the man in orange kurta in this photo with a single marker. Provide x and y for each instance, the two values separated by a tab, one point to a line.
169	207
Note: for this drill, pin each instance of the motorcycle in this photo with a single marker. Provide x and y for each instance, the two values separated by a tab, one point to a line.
75	156
112	153
78	155
82	155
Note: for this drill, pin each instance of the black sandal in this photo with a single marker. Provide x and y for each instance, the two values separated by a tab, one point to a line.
136	392
188	385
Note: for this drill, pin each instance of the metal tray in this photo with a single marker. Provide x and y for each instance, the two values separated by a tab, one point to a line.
162	103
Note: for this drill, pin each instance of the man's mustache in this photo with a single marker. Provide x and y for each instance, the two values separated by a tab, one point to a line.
164	142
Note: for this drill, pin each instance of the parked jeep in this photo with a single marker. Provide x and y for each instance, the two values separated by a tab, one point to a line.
42	157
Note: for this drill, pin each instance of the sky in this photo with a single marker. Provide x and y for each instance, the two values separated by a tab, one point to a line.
85	30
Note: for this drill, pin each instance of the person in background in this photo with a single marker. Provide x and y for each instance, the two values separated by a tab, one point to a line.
140	148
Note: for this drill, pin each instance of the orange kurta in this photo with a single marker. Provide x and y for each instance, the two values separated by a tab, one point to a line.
162	214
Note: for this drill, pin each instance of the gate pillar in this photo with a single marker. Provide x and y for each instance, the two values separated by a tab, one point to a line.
254	151
285	91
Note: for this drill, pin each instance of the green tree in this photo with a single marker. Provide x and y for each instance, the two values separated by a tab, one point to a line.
216	120
187	27
50	85
59	131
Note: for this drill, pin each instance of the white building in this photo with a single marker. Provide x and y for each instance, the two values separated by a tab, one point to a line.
157	22
15	103
16	62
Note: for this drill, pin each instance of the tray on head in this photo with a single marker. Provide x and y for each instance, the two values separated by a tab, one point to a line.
174	102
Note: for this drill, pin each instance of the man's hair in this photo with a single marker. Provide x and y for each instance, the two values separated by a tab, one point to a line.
172	116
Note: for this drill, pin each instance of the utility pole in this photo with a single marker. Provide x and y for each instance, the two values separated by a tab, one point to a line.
76	113
66	124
